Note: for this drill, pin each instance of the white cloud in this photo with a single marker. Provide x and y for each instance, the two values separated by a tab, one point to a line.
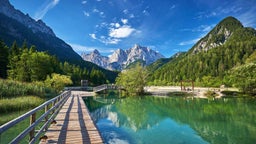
201	28
101	14
110	41
82	48
132	16
248	18
125	11
45	8
124	21
93	36
226	9
121	32
204	28
189	42
116	31
95	10
86	14
84	2
117	25
145	12
105	40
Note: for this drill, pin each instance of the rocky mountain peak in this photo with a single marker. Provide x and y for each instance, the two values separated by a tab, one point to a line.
122	58
118	56
95	52
36	26
218	36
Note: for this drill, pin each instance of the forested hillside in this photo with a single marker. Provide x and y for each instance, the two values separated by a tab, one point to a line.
26	64
13	30
227	46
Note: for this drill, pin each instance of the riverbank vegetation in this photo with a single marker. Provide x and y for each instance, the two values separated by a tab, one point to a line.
18	97
29	77
133	80
24	63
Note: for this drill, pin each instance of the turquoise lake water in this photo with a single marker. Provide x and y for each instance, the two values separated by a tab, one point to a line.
172	120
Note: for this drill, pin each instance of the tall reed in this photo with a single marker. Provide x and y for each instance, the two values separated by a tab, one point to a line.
19	103
10	88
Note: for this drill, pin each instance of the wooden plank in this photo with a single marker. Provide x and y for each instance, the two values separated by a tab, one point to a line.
74	124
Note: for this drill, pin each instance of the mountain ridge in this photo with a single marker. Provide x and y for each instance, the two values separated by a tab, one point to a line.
36	26
218	35
120	58
16	26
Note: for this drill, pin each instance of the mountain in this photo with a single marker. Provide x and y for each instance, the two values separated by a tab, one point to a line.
160	62
226	46
120	59
218	35
16	26
97	58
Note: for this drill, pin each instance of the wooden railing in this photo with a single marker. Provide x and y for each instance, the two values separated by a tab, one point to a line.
51	108
104	87
87	88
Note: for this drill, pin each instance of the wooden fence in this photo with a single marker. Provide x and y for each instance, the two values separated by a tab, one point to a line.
51	108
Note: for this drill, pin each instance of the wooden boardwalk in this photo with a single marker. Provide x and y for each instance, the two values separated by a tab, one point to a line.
74	125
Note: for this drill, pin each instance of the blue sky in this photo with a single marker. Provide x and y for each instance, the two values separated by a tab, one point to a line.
167	26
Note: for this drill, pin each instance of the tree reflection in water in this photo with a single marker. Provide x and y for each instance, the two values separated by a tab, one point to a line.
215	121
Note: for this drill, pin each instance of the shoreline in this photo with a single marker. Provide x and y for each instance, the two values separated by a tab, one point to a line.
199	92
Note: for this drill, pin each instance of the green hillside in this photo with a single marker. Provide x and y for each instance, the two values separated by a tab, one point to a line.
227	46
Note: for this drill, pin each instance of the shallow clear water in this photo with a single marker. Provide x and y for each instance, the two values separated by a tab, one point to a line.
146	120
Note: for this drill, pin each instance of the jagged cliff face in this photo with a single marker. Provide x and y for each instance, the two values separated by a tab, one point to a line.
142	53
120	59
36	26
119	56
218	36
97	58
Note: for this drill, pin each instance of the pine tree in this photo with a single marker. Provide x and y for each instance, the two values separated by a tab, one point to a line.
4	52
14	57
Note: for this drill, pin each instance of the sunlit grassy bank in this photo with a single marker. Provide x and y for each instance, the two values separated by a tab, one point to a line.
10	88
16	98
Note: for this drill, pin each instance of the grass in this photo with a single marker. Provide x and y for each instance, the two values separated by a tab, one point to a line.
16	97
10	88
19	103
5	117
180	94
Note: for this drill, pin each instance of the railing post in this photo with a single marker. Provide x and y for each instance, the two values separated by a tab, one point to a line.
46	117
53	103
32	132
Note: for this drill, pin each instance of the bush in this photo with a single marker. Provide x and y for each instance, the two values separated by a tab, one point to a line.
210	94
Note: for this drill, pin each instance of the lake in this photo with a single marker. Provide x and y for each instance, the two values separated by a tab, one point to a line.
174	120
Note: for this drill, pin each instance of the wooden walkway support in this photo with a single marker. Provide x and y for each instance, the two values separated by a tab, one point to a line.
73	124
